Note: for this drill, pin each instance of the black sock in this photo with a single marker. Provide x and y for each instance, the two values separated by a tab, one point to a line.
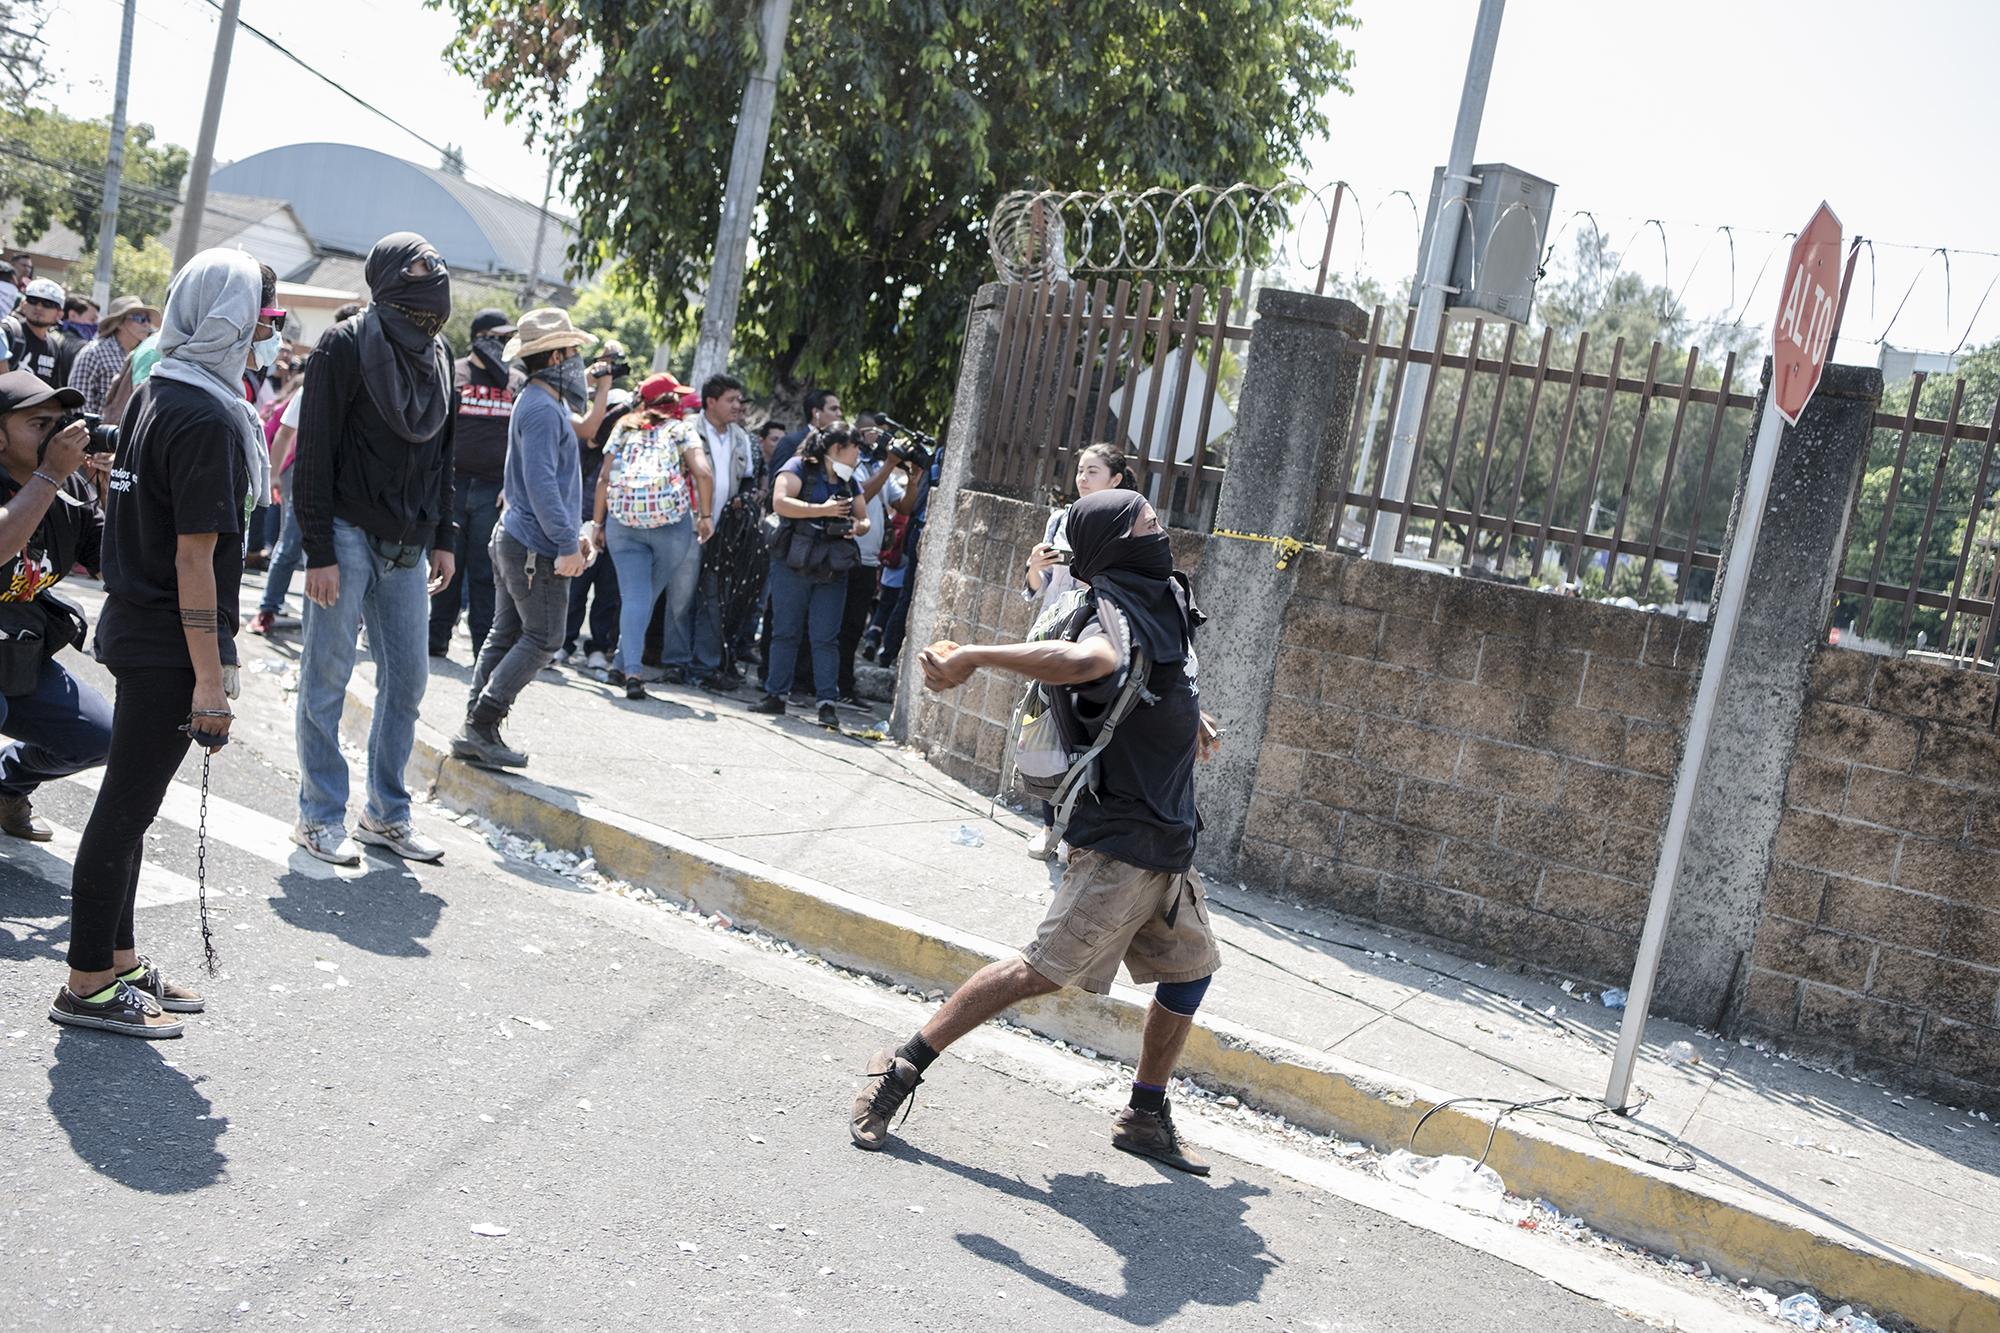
1146	1097
918	1052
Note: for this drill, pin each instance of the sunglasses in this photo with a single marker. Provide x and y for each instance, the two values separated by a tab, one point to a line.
139	317
272	315
41	301
430	257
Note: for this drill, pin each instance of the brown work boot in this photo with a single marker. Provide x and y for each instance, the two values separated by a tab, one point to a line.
169	995
886	1089
128	1012
1152	1134
17	820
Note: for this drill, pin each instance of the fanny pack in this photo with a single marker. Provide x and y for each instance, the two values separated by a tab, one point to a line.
399	555
30	634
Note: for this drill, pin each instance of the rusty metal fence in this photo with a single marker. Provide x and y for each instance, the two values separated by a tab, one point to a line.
1546	461
1923	553
1145	367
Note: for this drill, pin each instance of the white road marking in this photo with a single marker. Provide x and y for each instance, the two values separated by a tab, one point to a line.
55	861
241	827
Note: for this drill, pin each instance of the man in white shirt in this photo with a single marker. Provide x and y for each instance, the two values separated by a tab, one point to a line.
731	456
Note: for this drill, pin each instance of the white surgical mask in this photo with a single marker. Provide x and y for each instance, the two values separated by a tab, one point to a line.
267	351
845	471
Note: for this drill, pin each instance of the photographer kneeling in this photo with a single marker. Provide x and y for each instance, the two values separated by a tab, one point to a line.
819	514
48	523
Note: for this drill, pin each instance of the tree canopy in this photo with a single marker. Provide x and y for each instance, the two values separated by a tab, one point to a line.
899	123
54	165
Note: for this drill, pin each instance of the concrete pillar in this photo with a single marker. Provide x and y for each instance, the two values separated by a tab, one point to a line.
968	409
1299	389
1734	824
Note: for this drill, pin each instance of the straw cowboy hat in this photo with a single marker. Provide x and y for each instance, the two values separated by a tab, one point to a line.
544	330
128	305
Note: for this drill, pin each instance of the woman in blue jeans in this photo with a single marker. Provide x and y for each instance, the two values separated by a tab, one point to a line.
814	493
653	516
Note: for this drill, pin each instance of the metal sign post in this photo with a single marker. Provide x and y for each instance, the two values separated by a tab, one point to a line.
1801	338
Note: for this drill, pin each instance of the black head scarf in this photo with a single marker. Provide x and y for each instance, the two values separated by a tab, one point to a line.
1136	574
403	362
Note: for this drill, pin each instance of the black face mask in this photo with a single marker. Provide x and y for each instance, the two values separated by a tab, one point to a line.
1150	556
490	350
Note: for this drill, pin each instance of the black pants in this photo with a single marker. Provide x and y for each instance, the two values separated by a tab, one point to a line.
147	746
861	581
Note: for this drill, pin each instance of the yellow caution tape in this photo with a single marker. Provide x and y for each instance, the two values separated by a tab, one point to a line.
1288	547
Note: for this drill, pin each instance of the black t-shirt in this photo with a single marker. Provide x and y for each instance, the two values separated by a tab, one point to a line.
179	469
485	406
72	532
1143	812
48	355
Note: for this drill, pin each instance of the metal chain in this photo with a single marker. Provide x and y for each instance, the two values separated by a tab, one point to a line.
201	865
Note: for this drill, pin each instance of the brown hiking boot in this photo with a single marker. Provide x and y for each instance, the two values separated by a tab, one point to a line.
1147	1134
128	1012
17	820
169	995
886	1089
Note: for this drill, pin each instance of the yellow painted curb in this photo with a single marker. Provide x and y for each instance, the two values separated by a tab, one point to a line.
1700	1219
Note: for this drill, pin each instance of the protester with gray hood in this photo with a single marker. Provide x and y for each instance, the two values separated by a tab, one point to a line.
372	492
190	459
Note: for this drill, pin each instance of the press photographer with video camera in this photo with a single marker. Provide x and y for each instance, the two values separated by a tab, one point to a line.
49	522
817	514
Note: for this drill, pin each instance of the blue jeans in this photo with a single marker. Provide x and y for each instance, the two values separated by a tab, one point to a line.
593	596
286	558
652	561
802	608
704	618
397	606
60	727
475	508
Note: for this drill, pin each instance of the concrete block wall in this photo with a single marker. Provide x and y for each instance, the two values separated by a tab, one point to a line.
1880	936
1474	762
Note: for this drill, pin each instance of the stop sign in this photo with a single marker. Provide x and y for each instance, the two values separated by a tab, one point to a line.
1802	338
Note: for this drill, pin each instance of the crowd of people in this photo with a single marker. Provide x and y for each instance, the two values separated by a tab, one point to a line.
636	534
629	533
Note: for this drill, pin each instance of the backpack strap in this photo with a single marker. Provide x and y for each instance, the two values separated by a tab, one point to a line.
1082	774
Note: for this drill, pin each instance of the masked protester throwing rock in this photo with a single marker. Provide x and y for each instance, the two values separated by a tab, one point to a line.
1120	671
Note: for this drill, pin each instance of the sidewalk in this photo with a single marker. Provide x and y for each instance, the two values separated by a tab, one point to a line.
860	852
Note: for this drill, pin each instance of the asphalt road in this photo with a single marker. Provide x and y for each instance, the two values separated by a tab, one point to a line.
653	1111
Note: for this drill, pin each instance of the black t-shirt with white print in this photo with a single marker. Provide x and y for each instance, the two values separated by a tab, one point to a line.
179	470
1143	812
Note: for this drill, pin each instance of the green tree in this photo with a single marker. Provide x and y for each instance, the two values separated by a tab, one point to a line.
899	123
54	165
22	49
143	270
1899	552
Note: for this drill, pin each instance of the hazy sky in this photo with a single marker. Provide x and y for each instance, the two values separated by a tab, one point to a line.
1705	112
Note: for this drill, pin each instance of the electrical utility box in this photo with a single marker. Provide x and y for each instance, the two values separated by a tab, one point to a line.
1503	232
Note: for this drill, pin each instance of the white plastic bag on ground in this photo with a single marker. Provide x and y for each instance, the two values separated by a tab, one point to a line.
1454	1180
1802	1310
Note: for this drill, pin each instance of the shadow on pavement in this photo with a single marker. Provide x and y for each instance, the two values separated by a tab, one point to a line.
1183	1241
387	914
133	1117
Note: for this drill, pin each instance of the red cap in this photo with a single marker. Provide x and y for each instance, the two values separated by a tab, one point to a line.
655	389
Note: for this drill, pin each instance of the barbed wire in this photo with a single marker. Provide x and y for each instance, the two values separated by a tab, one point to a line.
1322	237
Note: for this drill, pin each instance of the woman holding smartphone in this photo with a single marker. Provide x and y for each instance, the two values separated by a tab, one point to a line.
1101	467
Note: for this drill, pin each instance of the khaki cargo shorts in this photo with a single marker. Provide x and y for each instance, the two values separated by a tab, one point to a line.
1109	910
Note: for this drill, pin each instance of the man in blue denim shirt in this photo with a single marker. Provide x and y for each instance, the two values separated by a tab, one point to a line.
538	548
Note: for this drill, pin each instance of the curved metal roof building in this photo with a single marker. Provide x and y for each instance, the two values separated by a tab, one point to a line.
348	197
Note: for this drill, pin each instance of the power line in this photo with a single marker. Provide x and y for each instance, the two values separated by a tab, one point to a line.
366	105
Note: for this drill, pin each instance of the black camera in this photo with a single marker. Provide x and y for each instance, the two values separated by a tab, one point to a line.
103	438
907	445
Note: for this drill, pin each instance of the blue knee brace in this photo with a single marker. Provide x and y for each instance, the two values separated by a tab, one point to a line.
1181	997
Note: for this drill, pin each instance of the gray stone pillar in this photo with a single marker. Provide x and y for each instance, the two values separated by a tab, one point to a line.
1299	388
968	409
1734	824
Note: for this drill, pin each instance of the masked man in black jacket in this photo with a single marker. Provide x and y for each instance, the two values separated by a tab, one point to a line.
487	387
372	491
